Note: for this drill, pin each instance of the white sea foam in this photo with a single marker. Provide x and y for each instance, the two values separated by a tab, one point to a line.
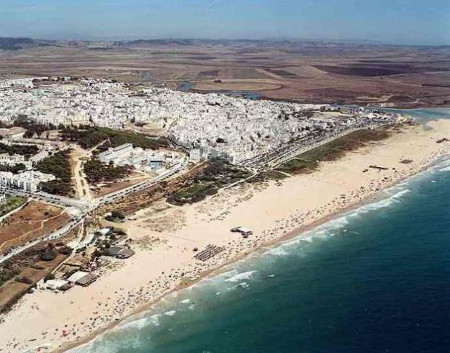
243	285
141	322
241	276
335	226
170	313
154	319
382	203
446	169
225	275
279	251
185	301
136	324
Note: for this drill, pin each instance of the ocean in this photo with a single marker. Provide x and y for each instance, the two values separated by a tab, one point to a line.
375	279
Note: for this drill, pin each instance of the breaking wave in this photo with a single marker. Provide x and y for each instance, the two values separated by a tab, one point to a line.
241	276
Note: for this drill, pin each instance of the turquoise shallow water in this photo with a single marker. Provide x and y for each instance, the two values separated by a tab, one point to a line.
376	279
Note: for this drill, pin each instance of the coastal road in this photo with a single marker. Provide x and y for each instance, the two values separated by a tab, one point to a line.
266	162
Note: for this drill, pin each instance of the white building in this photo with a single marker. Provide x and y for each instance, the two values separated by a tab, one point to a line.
139	158
39	156
6	159
195	155
115	153
27	181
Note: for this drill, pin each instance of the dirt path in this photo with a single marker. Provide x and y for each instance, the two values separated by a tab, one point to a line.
82	190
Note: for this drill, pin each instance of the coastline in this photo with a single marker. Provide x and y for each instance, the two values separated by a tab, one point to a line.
210	274
269	241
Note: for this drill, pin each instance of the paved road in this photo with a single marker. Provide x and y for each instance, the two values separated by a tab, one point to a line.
273	159
53	199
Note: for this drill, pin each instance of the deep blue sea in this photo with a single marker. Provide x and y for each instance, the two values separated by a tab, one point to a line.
376	279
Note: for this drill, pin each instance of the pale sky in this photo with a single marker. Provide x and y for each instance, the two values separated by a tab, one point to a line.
388	21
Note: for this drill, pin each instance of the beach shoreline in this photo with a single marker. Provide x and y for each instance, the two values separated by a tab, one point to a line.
330	205
210	274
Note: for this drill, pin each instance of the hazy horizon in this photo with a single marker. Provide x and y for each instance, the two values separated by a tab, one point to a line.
404	22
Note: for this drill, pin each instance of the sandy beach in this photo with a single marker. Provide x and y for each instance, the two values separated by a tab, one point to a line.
164	237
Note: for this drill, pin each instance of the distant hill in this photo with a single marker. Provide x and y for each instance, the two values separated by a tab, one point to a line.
156	42
8	43
21	43
15	43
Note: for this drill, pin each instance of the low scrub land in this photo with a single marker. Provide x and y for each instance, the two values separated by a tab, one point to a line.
217	174
114	186
309	161
89	137
22	272
97	171
11	203
29	223
58	165
147	197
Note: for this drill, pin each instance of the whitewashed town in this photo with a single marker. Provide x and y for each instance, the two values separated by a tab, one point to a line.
240	129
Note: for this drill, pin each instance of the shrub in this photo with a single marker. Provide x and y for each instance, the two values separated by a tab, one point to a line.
49	253
49	277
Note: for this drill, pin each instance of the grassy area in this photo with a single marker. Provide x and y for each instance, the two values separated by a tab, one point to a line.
89	137
269	175
310	160
11	203
58	165
217	174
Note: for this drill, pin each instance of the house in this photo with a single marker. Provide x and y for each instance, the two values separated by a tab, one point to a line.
104	231
82	278
57	284
13	133
120	252
86	280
